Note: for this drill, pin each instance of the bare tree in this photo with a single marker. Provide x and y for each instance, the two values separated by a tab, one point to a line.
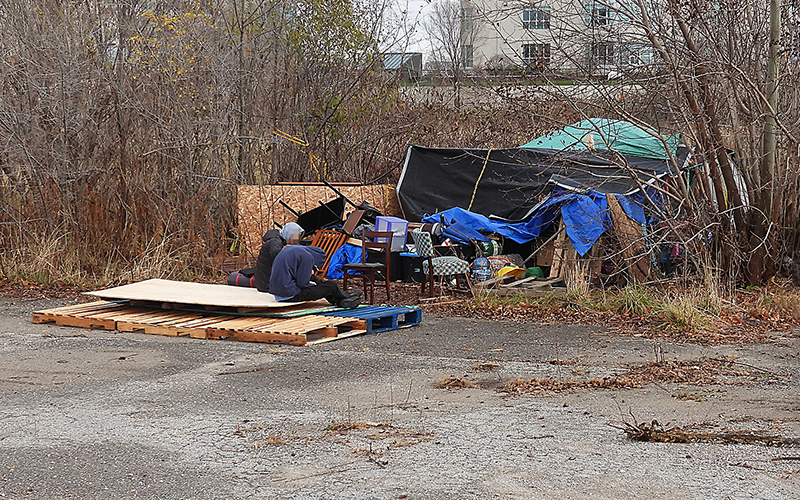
453	32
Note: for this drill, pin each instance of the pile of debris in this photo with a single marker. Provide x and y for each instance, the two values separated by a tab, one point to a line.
584	204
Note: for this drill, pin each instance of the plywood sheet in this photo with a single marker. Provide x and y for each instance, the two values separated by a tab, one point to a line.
184	292
259	208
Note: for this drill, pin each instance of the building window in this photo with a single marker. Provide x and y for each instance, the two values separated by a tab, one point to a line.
466	56
467	20
598	14
536	18
602	54
638	55
536	55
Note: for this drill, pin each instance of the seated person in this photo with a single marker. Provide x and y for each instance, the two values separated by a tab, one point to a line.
272	242
293	278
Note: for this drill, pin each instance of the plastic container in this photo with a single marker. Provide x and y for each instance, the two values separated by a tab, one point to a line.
397	226
490	248
481	268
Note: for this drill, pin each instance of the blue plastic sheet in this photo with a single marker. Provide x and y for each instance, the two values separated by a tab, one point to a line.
586	218
347	254
462	226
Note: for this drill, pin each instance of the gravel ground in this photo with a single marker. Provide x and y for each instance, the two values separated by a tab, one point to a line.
96	415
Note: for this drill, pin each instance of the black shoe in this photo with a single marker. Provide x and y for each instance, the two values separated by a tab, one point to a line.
352	300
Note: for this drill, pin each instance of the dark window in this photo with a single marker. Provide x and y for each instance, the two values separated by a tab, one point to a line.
536	55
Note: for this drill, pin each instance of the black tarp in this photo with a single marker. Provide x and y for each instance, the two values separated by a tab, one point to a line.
514	180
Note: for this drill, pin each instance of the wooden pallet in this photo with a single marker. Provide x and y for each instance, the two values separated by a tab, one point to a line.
383	319
123	317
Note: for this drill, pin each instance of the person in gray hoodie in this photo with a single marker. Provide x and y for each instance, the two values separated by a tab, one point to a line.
293	278
273	242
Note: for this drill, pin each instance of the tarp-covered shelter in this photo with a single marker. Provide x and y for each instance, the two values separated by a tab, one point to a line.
517	192
602	134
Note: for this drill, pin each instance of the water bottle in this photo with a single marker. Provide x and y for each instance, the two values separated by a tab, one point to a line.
481	268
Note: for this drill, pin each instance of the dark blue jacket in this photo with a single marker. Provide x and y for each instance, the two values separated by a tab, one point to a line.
293	268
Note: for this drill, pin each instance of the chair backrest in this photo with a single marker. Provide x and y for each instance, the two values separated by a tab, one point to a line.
368	243
423	244
329	241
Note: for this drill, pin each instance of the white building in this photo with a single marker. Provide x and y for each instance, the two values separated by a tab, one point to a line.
596	37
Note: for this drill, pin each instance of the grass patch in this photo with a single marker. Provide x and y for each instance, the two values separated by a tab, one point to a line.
636	299
684	314
781	301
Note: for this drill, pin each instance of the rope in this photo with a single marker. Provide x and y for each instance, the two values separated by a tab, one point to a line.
474	191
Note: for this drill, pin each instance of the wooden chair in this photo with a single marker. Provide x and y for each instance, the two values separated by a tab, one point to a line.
437	266
330	241
367	270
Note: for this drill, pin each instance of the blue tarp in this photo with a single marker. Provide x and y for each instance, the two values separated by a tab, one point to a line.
347	254
585	218
462	226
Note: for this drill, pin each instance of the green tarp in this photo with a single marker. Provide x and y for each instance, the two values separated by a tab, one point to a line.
617	135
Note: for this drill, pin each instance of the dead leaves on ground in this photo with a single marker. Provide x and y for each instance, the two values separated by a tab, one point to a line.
654	432
746	320
455	383
694	372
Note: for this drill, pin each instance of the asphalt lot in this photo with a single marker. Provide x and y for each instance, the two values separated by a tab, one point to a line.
94	414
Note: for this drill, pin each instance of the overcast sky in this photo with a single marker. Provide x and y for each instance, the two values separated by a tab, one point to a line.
415	12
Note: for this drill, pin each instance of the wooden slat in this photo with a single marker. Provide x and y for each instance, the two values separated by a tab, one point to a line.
327	332
49	315
519	283
250	336
564	254
629	234
351	333
89	323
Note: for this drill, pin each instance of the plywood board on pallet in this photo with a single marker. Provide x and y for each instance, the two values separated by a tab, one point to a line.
259	207
212	325
184	292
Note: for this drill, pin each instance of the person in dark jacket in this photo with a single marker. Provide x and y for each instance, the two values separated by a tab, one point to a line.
293	278
273	242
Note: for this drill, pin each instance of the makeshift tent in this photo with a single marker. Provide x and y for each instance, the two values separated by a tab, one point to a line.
516	192
617	135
